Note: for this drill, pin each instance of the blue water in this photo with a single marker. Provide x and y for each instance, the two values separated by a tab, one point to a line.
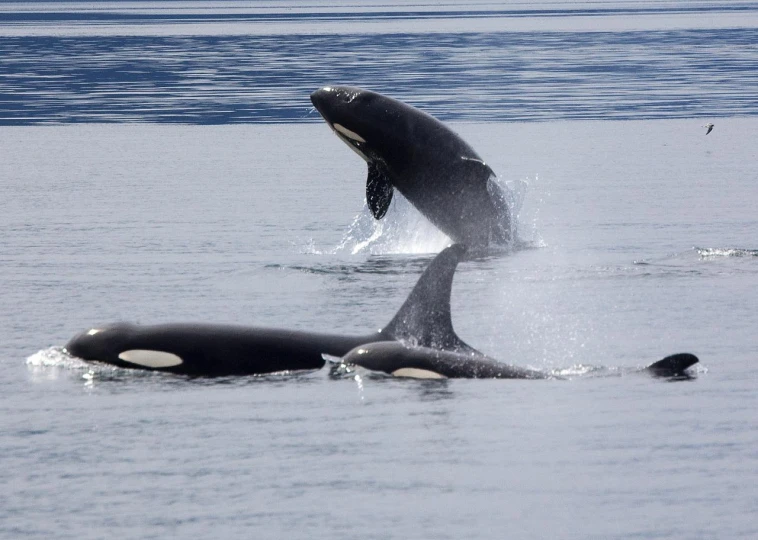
160	162
117	63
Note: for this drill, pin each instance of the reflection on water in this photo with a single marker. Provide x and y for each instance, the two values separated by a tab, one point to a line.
350	270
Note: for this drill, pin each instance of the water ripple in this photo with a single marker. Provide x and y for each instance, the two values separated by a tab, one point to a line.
489	76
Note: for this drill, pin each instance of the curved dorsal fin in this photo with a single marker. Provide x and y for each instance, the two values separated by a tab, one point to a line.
672	365
424	319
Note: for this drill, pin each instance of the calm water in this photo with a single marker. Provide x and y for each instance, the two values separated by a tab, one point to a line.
128	204
510	61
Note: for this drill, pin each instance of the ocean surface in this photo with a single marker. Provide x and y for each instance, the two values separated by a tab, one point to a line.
161	161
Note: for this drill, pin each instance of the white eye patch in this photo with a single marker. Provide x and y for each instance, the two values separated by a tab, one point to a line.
417	373
347	133
151	359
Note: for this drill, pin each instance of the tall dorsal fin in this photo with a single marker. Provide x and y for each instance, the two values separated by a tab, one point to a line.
673	365
424	319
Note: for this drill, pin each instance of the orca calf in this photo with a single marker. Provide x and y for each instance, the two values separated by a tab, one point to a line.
420	362
213	350
401	360
409	150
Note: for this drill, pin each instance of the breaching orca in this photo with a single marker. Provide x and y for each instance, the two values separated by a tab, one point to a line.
401	360
436	170
205	349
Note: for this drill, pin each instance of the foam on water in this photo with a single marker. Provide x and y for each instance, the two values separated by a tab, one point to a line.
715	253
56	357
47	364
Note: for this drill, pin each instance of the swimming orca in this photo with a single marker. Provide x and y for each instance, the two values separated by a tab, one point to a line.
436	170
401	360
672	366
213	350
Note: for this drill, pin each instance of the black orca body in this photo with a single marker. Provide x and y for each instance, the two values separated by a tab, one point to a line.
214	350
401	360
672	366
409	150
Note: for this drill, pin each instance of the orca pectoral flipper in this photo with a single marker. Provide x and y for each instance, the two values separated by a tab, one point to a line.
378	189
673	365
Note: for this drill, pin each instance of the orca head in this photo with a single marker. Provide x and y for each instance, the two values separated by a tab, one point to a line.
383	131
400	143
395	358
98	343
114	344
373	125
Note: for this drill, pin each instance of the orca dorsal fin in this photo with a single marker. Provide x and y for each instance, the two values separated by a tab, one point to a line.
378	189
673	365
424	319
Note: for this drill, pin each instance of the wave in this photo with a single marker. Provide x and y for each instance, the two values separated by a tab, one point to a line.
56	357
487	75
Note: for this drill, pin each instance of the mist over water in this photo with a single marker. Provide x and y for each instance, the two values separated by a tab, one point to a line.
160	164
403	230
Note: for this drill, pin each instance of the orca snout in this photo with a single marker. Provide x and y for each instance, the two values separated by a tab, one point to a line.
320	97
97	343
329	99
84	344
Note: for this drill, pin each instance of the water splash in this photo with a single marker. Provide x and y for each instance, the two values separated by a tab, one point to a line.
589	371
585	370
51	363
56	357
359	382
404	230
716	253
527	223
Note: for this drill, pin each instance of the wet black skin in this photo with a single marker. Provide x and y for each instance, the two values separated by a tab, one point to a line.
391	356
207	349
213	350
436	170
449	364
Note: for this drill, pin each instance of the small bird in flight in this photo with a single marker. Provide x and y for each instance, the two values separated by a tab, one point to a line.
709	126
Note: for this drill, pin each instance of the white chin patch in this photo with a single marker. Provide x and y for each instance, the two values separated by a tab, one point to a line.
347	133
417	373
151	359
